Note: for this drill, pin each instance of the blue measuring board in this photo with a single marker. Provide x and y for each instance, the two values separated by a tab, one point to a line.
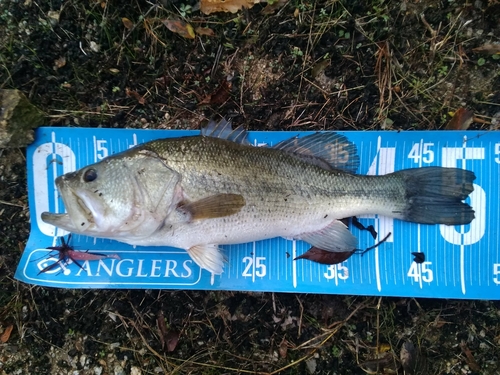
460	261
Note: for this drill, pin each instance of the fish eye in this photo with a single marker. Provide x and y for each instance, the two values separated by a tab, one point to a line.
90	175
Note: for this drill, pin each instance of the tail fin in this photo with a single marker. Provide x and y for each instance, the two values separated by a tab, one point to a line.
435	195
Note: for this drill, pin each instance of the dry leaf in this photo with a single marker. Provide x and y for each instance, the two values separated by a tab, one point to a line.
127	23
461	120
204	31
283	348
182	28
220	96
271	8
471	361
6	334
211	6
135	95
386	364
324	256
160	321
490	49
383	348
320	67
172	338
60	62
168	338
438	322
408	357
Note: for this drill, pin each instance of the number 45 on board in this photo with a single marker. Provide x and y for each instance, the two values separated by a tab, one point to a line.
421	272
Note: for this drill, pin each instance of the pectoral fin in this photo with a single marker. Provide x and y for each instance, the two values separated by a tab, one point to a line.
208	257
219	205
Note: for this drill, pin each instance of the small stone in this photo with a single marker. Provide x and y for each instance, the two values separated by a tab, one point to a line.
118	370
17	119
311	365
53	17
114	345
95	47
83	360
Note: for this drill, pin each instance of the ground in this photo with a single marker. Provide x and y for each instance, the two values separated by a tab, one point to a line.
306	65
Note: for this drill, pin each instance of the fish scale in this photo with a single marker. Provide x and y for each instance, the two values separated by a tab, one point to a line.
308	188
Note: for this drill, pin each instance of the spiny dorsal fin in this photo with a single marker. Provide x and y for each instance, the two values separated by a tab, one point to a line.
326	150
224	130
219	205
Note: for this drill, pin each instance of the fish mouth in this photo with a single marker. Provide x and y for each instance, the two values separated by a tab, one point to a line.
85	210
79	217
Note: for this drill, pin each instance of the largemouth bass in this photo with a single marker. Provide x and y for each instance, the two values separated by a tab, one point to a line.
197	193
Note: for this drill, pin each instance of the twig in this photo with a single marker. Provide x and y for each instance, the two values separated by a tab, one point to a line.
378	329
301	315
12	204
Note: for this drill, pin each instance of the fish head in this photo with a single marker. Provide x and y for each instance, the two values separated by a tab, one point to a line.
123	197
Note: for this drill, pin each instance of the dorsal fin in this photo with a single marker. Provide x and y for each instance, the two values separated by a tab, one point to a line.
326	150
224	130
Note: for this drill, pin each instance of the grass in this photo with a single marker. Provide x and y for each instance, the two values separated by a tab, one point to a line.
310	65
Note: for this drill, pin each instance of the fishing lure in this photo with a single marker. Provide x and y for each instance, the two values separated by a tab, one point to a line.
67	253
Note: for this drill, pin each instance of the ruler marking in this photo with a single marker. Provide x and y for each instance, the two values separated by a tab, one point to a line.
254	259
294	263
488	213
377	264
54	175
269	262
479	273
462	232
419	248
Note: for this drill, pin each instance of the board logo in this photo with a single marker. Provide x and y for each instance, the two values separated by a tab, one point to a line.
127	267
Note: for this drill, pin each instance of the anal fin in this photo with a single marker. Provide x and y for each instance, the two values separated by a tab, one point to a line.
334	237
208	257
218	205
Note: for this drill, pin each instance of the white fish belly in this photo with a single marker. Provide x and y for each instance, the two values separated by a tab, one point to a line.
244	227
